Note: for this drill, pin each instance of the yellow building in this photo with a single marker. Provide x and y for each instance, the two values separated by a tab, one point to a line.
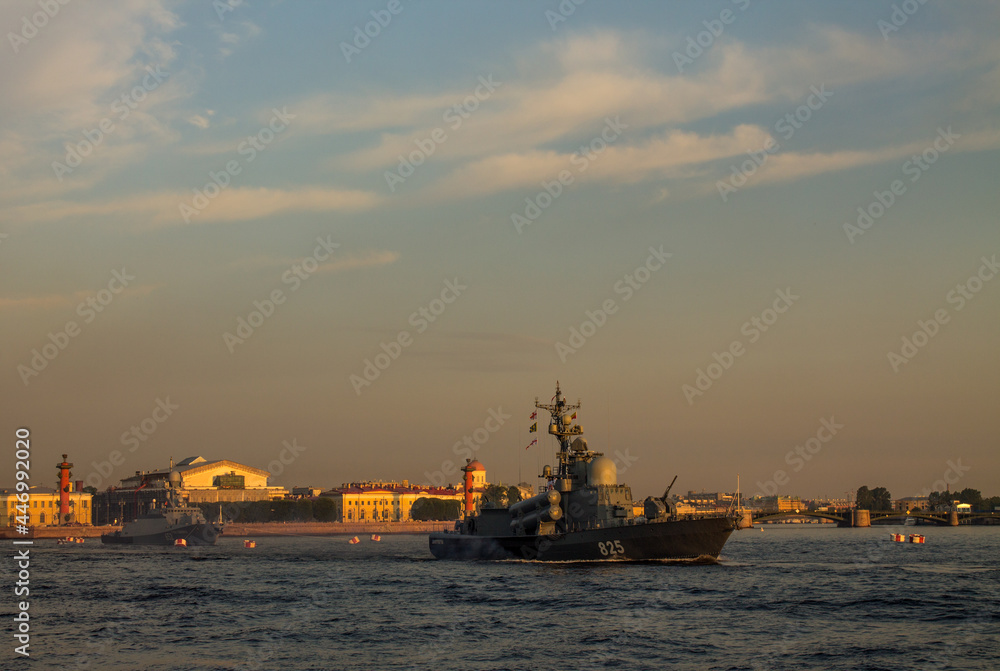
43	507
204	481
383	501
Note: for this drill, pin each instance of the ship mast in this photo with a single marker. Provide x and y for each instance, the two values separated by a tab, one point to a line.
560	426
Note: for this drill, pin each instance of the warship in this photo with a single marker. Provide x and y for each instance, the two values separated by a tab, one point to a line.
584	514
167	524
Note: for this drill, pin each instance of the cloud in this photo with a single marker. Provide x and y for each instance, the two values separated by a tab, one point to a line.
199	121
667	155
341	263
527	129
233	204
786	167
230	40
51	301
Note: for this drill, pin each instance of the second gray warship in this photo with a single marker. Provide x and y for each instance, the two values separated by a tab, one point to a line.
168	524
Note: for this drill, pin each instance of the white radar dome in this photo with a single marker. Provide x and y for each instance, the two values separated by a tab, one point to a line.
603	472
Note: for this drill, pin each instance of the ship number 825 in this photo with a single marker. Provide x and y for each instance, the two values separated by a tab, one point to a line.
611	548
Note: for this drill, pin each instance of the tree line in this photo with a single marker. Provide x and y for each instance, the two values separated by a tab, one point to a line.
321	509
879	498
873	499
968	495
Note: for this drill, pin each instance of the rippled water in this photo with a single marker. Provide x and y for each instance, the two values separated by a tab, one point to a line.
783	598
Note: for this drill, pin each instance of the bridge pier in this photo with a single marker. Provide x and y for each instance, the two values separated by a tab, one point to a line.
746	522
861	518
953	518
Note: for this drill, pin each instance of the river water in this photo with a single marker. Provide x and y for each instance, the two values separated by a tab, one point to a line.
787	597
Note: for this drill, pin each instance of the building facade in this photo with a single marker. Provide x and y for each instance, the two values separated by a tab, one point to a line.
202	481
383	501
43	507
911	503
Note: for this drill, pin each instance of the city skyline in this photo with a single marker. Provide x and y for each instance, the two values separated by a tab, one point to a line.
362	239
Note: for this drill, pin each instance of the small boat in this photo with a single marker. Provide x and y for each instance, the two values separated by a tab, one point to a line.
354	541
897	538
376	538
249	544
916	538
180	543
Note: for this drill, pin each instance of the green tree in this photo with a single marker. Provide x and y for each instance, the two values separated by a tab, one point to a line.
935	499
324	509
513	495
304	510
881	499
863	500
971	496
429	508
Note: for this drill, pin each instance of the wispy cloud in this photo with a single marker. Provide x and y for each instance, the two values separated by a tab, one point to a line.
64	300
341	263
234	204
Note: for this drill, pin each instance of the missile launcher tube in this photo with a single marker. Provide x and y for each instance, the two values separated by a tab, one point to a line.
549	498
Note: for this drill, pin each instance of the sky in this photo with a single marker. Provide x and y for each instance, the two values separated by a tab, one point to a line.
356	241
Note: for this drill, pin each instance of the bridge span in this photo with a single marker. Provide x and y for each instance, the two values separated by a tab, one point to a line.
864	518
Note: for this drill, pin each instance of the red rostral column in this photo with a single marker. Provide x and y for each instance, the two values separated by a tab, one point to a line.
64	475
469	497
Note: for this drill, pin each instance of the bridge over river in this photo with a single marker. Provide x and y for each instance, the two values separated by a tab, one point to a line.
864	518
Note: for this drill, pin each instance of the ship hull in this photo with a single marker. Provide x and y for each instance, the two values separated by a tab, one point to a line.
675	539
194	534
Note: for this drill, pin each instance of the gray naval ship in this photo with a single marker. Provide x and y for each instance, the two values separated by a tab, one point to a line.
584	515
165	525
